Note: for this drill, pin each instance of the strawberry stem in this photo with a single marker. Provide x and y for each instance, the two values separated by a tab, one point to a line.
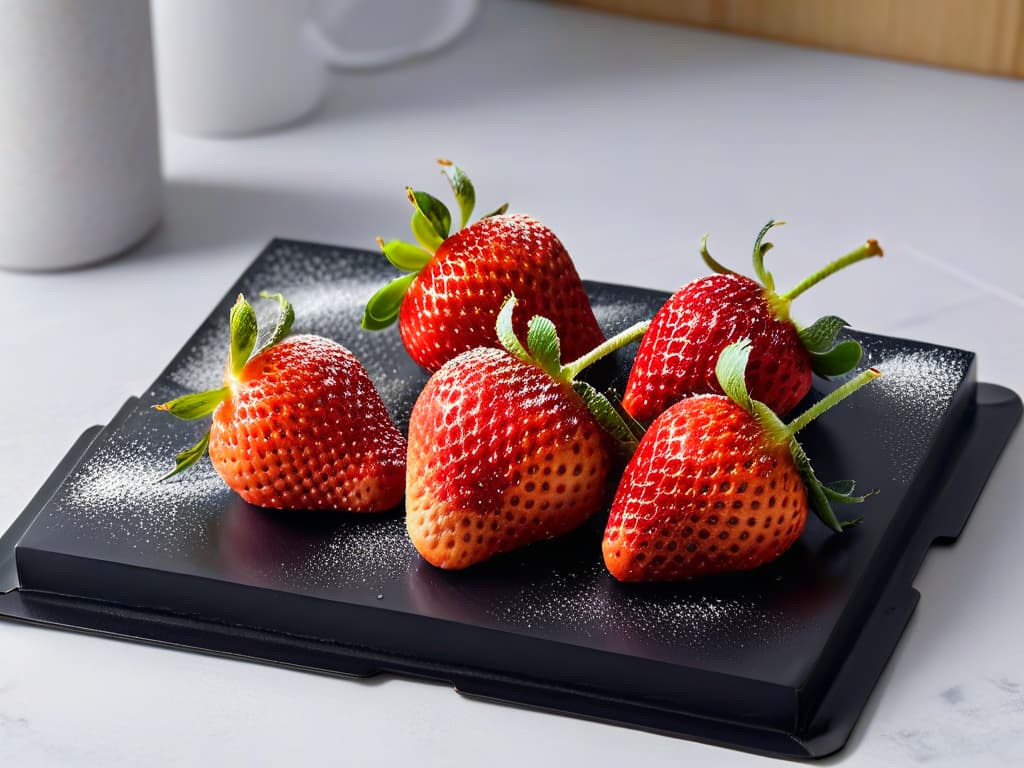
831	399
634	332
866	251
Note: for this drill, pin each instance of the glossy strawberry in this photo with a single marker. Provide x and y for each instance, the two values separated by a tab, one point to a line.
507	448
449	301
719	483
677	357
298	424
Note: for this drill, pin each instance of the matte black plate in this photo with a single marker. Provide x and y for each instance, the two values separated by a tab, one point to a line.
780	660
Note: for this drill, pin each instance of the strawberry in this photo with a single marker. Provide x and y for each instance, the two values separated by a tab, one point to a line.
297	424
678	354
449	300
719	484
507	448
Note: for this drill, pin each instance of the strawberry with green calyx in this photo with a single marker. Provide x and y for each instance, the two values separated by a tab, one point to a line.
677	357
719	483
455	284
298	424
507	447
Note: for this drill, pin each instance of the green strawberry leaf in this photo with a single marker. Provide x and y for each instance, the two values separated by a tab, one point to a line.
188	457
382	308
285	318
841	487
424	232
775	430
196	405
820	336
610	420
405	256
506	331
243	333
462	188
841	492
816	495
731	373
433	210
712	264
760	249
635	427
842	358
542	339
496	212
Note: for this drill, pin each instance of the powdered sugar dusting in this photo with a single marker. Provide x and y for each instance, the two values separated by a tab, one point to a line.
918	383
589	603
313	552
374	553
116	496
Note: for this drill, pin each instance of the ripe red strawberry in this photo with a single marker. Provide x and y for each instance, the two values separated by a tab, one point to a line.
456	284
506	448
677	356
719	484
297	424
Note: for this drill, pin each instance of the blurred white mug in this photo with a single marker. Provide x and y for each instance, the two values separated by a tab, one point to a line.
79	143
233	67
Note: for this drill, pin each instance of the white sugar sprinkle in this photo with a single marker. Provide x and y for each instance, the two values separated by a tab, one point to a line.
917	385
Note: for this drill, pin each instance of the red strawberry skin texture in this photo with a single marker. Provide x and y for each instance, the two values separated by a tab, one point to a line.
304	428
677	355
452	304
500	456
704	493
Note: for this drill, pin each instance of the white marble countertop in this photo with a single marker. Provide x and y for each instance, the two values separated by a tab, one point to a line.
630	139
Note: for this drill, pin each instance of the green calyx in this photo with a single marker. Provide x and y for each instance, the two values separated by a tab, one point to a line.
431	225
242	348
828	358
544	350
731	374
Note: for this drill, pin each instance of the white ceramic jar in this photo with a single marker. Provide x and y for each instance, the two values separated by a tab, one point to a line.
80	176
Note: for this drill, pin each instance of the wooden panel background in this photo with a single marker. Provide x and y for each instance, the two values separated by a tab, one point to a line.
978	35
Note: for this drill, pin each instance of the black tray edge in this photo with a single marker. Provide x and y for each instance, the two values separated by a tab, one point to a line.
997	414
9	540
984	436
239	643
8	566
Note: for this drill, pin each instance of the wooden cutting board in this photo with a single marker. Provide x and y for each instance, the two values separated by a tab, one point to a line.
984	36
